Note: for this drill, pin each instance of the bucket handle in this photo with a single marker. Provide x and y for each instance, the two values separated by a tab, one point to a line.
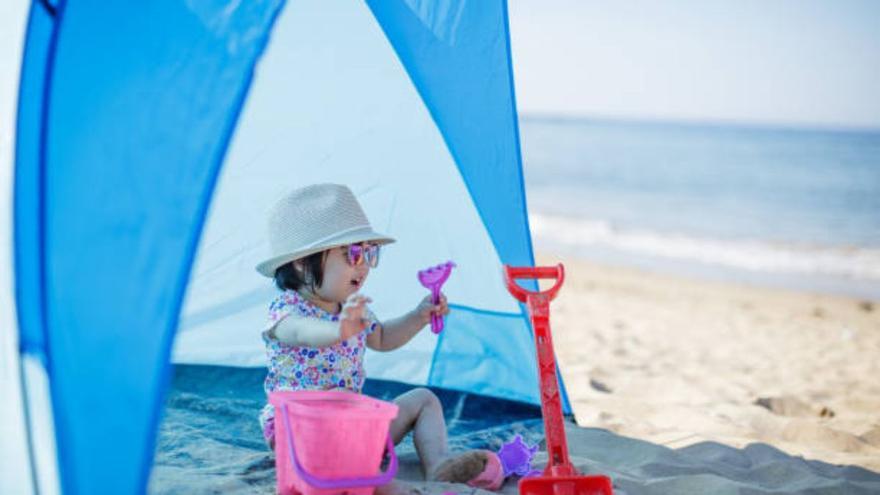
325	483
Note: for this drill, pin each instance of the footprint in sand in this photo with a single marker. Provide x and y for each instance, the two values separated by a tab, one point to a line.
792	406
872	436
599	386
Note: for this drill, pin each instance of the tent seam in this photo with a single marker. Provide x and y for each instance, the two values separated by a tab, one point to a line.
61	446
50	9
25	348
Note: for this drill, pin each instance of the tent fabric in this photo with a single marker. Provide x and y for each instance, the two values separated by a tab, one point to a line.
132	129
151	143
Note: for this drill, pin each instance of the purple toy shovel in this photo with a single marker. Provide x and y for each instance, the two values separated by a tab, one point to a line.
433	278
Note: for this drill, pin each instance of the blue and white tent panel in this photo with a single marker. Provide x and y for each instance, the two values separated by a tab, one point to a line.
332	102
124	114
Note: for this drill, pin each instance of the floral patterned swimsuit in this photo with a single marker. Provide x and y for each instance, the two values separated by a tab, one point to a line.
340	366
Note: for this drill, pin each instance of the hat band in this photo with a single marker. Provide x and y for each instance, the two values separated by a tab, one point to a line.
330	237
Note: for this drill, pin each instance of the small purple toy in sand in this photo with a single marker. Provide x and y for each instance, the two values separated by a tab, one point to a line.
516	458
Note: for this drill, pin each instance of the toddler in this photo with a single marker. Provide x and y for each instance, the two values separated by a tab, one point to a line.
319	326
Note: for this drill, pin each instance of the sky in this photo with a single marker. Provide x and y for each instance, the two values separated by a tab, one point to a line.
804	63
809	63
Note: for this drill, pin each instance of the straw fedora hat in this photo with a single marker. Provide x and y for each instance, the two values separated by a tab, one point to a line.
314	218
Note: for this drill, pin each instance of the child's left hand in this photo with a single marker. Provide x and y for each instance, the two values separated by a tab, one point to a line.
426	308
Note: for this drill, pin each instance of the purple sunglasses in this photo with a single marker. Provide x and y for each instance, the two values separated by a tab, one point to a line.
357	254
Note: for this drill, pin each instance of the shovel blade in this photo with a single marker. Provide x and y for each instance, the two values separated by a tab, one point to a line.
566	485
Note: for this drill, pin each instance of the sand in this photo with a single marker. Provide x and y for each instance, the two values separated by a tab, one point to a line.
679	386
677	361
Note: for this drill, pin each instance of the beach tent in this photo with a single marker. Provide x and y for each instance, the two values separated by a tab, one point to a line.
142	145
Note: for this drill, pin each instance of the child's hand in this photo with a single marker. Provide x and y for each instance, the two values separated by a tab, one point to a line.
352	321
426	308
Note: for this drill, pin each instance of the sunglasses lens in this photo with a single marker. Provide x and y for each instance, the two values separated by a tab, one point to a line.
355	254
372	255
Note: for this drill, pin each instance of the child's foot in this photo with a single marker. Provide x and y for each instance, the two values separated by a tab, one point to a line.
460	468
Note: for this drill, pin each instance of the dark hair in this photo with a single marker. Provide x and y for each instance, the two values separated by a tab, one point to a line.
288	278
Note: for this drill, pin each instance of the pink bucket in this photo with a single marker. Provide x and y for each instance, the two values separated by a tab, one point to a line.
338	439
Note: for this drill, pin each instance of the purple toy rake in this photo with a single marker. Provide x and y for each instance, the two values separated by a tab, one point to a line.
433	278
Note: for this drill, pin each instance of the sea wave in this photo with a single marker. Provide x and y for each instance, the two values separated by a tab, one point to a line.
755	255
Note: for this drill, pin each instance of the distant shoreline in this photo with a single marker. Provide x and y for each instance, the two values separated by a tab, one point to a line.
856	289
703	273
696	123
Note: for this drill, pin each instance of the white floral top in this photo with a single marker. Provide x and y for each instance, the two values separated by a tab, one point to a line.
310	368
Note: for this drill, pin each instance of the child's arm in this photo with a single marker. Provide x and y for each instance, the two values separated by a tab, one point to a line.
297	330
394	333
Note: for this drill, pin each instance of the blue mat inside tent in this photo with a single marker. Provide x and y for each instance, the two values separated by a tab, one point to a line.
209	437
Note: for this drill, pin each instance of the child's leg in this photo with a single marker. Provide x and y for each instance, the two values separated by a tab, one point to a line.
421	412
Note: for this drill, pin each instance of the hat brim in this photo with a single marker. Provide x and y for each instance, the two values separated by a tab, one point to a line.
267	268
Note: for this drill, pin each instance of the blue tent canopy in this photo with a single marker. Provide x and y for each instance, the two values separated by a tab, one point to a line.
151	138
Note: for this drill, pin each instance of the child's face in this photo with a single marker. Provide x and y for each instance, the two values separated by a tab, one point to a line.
341	279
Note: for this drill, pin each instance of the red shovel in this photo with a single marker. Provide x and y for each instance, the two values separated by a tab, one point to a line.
560	477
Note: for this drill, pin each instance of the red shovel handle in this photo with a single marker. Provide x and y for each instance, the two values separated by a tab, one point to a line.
511	274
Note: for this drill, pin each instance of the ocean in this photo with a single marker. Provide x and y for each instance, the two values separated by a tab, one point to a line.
794	208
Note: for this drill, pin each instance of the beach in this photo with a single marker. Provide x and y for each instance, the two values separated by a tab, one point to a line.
677	361
679	385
